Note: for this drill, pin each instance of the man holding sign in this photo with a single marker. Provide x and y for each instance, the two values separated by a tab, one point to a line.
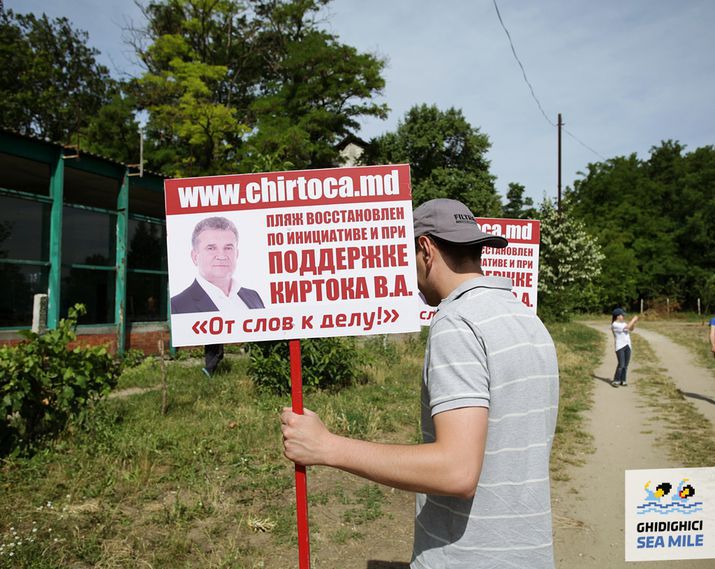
489	404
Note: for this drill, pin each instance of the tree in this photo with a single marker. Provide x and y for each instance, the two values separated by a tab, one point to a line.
569	262
191	132
113	131
313	90
234	87
706	292
447	158
654	219
517	206
50	82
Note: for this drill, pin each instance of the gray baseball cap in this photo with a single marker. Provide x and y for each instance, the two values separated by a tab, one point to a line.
452	221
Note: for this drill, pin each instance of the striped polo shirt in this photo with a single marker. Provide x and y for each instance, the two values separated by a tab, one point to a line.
486	349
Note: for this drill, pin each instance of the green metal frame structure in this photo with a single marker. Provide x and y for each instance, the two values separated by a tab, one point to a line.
54	155
120	289
57	176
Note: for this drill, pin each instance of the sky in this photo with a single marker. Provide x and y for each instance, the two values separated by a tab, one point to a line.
625	75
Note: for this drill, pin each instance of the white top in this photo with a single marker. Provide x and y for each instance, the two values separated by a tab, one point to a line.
621	334
224	303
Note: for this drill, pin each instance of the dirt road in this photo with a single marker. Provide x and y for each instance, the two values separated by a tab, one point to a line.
589	512
696	383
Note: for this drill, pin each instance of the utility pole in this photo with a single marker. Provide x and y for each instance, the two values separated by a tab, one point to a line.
558	201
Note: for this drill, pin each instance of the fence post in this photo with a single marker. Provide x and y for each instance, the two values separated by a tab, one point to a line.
641	307
39	314
164	383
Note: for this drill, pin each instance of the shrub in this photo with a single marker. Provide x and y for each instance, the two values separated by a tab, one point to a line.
132	358
327	363
183	354
44	383
569	260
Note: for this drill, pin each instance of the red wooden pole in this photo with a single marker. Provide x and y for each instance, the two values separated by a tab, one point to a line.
301	484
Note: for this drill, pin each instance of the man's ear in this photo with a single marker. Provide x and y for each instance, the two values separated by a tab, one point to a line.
426	245
194	256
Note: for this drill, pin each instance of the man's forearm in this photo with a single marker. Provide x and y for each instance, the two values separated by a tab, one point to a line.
449	466
427	468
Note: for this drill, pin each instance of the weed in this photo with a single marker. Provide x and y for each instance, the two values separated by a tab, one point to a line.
342	535
370	498
328	363
132	358
144	374
44	383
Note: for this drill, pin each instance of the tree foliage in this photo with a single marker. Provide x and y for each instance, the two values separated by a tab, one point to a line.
229	86
447	158
113	131
569	261
50	82
235	87
313	88
654	219
518	206
192	127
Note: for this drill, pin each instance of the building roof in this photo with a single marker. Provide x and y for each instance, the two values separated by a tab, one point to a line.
58	145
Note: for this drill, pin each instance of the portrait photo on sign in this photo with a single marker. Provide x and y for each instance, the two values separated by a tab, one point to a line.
216	265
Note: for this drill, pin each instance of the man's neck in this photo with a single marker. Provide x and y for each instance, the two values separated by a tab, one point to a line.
456	280
224	285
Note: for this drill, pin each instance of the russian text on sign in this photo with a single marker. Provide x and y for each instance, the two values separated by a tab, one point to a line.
331	260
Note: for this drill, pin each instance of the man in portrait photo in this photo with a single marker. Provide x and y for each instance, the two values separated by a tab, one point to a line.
214	252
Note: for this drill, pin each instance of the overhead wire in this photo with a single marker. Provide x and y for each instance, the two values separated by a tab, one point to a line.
523	71
586	146
531	88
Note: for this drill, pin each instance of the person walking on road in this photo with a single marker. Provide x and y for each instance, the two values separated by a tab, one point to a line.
622	337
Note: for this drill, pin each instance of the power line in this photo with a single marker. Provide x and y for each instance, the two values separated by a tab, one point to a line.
523	71
586	146
531	88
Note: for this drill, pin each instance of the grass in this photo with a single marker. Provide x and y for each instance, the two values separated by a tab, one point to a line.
687	437
207	485
579	350
204	486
